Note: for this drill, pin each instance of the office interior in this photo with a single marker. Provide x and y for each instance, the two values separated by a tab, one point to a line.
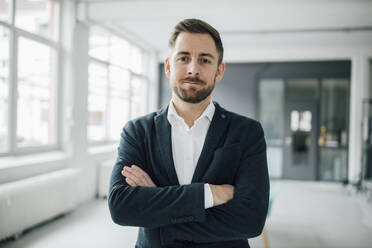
72	73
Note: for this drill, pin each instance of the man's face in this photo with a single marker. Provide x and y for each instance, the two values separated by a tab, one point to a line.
192	67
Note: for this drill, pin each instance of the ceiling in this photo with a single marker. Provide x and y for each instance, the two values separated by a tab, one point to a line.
242	23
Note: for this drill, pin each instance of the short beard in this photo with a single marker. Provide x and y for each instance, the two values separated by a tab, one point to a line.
196	96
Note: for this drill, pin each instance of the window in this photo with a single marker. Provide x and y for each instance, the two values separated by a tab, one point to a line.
28	80
271	112
35	94
334	126
38	17
271	97
139	95
300	121
4	87
4	10
118	85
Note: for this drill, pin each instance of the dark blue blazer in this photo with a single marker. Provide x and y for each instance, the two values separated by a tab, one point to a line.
171	215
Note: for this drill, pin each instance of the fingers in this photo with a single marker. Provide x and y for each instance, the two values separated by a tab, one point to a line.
142	175
130	178
130	182
135	176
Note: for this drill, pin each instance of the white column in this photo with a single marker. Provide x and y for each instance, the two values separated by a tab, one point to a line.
358	91
67	79
80	96
153	74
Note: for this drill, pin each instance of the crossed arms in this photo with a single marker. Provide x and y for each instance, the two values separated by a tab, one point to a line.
135	176
178	211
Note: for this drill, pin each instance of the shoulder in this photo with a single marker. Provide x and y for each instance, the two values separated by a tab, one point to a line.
247	132
141	123
238	121
145	123
240	129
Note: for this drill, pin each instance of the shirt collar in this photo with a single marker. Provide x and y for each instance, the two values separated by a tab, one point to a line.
173	115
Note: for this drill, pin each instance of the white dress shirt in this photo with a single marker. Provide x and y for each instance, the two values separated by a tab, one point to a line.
187	144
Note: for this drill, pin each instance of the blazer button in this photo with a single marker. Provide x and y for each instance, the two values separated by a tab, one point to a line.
223	116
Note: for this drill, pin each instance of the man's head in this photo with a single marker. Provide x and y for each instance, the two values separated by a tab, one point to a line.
195	57
196	26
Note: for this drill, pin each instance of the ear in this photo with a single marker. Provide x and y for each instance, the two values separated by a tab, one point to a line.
167	67
220	71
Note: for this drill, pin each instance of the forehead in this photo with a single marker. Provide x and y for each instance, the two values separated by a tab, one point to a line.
195	43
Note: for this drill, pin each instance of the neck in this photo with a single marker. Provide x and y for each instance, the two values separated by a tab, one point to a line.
190	111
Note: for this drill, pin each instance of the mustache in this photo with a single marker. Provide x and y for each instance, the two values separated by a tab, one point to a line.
194	80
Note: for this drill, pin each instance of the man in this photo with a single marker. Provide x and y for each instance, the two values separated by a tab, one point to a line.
192	174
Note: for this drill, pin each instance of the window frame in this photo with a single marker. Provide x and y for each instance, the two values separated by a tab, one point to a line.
15	33
132	75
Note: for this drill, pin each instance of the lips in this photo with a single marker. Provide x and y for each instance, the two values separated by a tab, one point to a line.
191	82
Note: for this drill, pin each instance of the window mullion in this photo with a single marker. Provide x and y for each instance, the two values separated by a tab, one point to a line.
13	91
107	107
59	118
57	93
147	103
12	12
130	95
36	38
107	117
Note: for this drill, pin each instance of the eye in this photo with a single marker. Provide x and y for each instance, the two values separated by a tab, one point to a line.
183	59
205	61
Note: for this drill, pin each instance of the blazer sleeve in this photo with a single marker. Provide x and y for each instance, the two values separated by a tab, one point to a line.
149	206
242	217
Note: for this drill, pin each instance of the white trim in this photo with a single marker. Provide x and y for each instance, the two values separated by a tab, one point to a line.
107	112
31	149
30	35
130	96
15	161
122	33
15	34
359	91
106	63
13	63
59	116
12	12
10	91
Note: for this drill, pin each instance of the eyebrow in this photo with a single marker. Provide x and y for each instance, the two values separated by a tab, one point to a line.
201	55
207	55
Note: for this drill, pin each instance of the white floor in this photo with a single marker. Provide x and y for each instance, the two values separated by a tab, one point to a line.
304	214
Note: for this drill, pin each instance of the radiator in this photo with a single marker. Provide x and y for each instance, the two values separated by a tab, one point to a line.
28	202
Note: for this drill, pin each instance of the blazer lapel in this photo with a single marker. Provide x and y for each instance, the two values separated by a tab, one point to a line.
212	141
164	139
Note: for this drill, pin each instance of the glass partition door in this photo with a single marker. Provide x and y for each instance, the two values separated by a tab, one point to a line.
306	124
334	126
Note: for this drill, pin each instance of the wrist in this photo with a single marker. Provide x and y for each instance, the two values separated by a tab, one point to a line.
214	190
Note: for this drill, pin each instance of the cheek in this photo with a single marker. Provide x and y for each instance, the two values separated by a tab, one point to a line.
211	75
179	72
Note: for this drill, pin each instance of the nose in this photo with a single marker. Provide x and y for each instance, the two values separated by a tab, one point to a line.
193	69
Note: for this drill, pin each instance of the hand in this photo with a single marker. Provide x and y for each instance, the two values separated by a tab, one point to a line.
135	176
221	193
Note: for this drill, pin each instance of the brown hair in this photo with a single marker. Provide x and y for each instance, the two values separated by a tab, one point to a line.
199	27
